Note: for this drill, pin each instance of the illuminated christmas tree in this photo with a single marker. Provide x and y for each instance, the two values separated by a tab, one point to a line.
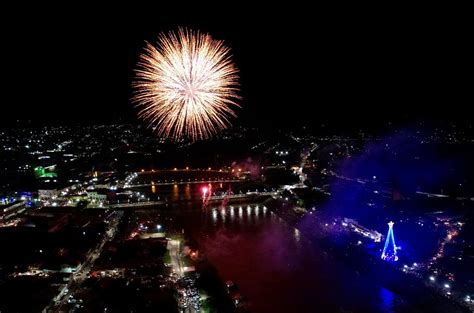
390	249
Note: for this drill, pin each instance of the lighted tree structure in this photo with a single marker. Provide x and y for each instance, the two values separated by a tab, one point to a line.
390	249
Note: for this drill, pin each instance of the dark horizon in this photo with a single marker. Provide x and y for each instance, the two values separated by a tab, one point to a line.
359	72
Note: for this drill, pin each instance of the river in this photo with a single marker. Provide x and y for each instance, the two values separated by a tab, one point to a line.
276	267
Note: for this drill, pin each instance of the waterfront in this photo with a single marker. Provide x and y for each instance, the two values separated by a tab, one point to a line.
276	267
185	162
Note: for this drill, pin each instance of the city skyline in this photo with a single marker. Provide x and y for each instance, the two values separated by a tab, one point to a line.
144	168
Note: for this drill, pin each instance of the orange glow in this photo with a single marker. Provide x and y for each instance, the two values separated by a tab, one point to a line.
186	85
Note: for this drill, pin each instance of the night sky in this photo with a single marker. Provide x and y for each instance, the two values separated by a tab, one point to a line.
355	70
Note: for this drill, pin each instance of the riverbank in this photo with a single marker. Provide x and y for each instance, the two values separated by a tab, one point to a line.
208	281
379	272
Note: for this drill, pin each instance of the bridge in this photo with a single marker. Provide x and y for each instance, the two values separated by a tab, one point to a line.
186	170
183	182
142	204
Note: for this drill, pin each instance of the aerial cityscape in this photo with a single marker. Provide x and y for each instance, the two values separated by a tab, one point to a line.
197	163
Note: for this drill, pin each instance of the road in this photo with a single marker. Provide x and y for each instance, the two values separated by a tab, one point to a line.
177	264
77	278
173	247
304	158
134	204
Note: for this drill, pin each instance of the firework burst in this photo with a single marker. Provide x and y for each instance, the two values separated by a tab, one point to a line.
186	85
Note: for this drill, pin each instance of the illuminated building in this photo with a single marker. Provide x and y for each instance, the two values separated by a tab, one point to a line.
11	210
356	227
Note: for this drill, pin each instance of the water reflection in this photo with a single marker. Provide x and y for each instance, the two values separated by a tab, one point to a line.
187	192
232	214
279	269
388	299
214	215
252	213
297	235
175	193
223	215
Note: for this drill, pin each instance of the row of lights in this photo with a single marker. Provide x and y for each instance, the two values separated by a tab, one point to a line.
448	292
175	169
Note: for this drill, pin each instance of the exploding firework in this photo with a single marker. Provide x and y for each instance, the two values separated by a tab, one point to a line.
186	85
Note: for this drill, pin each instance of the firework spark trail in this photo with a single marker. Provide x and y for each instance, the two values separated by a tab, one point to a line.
186	85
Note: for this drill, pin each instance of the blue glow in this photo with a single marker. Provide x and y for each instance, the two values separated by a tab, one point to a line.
388	300
390	254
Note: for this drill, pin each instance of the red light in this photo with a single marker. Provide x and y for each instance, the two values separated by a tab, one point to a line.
204	190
